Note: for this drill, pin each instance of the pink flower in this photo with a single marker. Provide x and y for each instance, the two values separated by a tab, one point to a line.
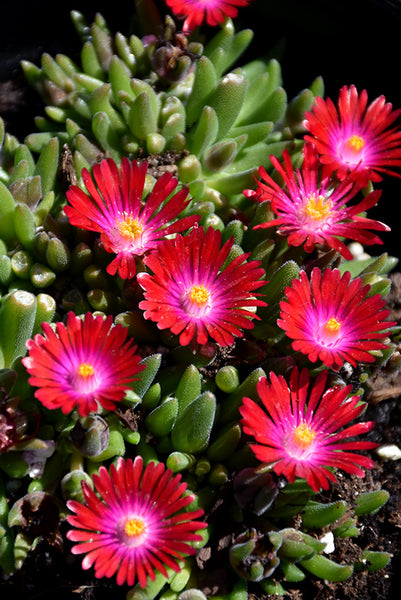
330	318
194	294
86	363
128	227
136	524
356	138
211	11
313	210
298	428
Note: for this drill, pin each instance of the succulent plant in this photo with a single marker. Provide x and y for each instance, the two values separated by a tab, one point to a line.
189	108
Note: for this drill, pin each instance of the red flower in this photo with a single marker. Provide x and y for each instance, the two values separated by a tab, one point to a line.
82	364
194	295
313	210
331	319
136	524
197	11
298	428
357	138
128	226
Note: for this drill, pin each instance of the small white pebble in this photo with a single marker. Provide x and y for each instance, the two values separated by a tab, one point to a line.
389	452
357	250
328	539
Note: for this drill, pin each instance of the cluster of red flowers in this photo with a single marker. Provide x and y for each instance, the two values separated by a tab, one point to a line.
344	150
136	523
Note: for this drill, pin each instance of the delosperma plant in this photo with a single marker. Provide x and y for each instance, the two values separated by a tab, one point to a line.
182	303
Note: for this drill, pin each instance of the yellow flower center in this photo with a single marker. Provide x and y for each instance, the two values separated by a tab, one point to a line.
129	228
332	326
199	294
85	370
303	435
317	207
134	527
355	143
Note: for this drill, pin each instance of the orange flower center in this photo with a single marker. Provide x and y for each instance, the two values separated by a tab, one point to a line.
199	294
129	228
332	326
303	436
85	370
134	527
317	207
355	143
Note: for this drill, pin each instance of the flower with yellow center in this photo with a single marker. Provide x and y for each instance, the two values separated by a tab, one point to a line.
84	364
129	228
199	295
332	326
312	208
299	427
136	522
85	370
130	223
134	527
196	292
330	317
355	139
355	143
303	436
317	207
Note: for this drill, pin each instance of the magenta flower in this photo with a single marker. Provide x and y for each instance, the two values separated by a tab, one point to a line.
128	227
84	364
356	138
298	428
136	524
194	294
313	210
211	11
330	318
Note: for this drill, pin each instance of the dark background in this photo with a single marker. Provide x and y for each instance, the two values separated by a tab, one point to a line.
344	41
